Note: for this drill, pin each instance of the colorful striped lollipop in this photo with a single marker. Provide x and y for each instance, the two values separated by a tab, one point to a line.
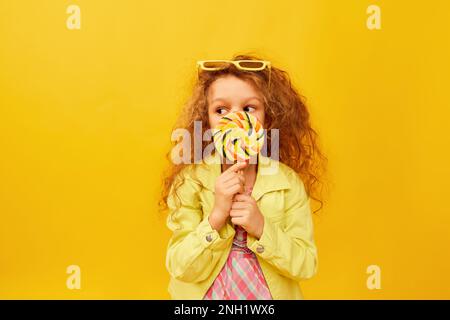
238	136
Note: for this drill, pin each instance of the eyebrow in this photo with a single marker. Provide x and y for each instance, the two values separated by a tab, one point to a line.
249	98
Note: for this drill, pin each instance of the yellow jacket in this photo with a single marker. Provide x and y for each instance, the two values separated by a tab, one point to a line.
196	252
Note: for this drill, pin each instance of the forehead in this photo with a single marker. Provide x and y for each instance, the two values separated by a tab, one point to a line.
231	87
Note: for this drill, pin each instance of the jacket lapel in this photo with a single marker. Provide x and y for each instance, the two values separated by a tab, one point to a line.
270	176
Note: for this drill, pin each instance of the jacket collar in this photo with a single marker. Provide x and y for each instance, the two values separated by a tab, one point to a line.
270	176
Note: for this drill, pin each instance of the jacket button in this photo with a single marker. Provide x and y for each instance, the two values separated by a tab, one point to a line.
209	238
260	249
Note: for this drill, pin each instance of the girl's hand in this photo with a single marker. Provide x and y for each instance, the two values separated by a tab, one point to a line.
229	183
245	213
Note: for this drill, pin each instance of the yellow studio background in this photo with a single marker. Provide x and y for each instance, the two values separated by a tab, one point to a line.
86	117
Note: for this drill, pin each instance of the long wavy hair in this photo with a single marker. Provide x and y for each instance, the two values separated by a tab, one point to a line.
285	109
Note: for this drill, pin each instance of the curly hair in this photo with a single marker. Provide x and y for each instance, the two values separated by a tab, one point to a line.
285	109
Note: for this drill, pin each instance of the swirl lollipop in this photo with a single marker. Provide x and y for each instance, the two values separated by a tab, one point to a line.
238	136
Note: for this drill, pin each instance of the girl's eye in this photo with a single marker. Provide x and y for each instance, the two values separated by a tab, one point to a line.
221	110
249	108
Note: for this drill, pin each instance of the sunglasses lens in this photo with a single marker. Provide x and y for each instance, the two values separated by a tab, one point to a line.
251	64
215	65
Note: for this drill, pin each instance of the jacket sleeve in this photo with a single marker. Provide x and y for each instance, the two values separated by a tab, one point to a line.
195	247
290	247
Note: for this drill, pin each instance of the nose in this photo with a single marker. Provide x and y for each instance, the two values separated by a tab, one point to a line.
236	109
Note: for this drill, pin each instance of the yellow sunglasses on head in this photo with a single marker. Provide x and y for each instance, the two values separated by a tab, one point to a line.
246	65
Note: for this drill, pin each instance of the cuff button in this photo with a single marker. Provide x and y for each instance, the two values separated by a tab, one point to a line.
209	238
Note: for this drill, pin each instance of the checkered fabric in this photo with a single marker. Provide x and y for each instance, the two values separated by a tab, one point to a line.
241	277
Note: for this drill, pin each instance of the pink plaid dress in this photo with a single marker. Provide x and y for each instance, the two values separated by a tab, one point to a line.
241	277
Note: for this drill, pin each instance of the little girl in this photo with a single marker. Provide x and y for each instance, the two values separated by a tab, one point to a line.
238	233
